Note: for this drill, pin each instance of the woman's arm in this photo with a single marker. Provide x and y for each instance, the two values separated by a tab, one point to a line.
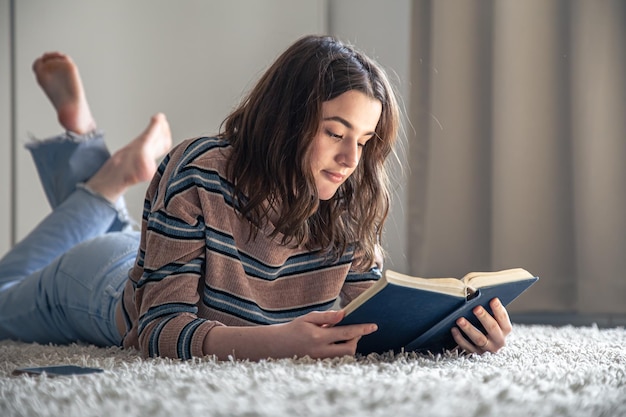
310	335
170	264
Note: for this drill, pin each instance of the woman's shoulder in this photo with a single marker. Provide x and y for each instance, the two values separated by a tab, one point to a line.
203	147
208	152
197	163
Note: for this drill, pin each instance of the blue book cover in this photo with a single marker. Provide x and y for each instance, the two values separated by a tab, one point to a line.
417	314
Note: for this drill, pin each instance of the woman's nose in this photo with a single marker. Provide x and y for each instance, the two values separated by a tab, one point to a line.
350	153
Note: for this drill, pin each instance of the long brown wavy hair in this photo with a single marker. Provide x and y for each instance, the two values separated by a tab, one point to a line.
271	134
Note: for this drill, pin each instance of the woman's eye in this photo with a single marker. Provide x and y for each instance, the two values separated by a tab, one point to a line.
334	135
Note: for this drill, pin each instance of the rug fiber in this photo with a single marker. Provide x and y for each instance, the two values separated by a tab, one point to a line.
543	371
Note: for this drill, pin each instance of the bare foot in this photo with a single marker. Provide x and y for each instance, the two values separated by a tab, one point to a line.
134	163
58	76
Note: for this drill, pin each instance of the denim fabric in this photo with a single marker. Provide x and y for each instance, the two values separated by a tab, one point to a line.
66	160
69	159
62	282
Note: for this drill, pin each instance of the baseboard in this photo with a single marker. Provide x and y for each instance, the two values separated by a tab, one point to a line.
573	319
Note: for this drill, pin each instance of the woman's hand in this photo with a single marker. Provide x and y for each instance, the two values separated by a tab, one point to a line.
498	327
314	335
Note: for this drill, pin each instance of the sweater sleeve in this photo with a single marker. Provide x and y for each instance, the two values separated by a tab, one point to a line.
173	258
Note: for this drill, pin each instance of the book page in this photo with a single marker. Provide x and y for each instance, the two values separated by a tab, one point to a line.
452	286
485	279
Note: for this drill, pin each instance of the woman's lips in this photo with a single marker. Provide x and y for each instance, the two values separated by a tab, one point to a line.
334	176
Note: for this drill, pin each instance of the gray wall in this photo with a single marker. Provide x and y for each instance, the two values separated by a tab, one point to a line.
5	129
191	60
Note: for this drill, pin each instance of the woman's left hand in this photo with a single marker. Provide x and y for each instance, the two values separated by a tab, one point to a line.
497	326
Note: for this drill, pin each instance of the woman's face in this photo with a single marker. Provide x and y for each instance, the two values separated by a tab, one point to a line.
348	122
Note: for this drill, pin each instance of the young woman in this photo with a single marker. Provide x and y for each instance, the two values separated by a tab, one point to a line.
247	238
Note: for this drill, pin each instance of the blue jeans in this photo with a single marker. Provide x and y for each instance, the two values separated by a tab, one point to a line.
62	283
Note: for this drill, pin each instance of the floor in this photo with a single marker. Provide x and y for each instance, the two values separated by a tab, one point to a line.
573	318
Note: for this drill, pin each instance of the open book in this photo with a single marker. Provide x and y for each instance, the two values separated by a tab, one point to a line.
417	314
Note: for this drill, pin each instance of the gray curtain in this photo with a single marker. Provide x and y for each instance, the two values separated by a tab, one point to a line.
517	146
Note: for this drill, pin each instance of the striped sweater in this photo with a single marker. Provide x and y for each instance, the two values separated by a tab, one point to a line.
196	267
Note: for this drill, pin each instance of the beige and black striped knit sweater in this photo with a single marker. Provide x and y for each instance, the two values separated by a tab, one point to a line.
197	268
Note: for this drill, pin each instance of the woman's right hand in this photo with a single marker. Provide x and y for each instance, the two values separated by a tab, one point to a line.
314	335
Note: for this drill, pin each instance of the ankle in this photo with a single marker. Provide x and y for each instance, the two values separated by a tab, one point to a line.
90	190
110	180
75	121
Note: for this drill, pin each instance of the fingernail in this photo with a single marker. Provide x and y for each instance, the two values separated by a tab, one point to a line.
479	310
374	327
461	322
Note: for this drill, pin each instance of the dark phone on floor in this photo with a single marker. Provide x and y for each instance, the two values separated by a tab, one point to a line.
57	370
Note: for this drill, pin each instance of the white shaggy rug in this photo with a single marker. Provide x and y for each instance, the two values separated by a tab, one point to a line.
544	371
